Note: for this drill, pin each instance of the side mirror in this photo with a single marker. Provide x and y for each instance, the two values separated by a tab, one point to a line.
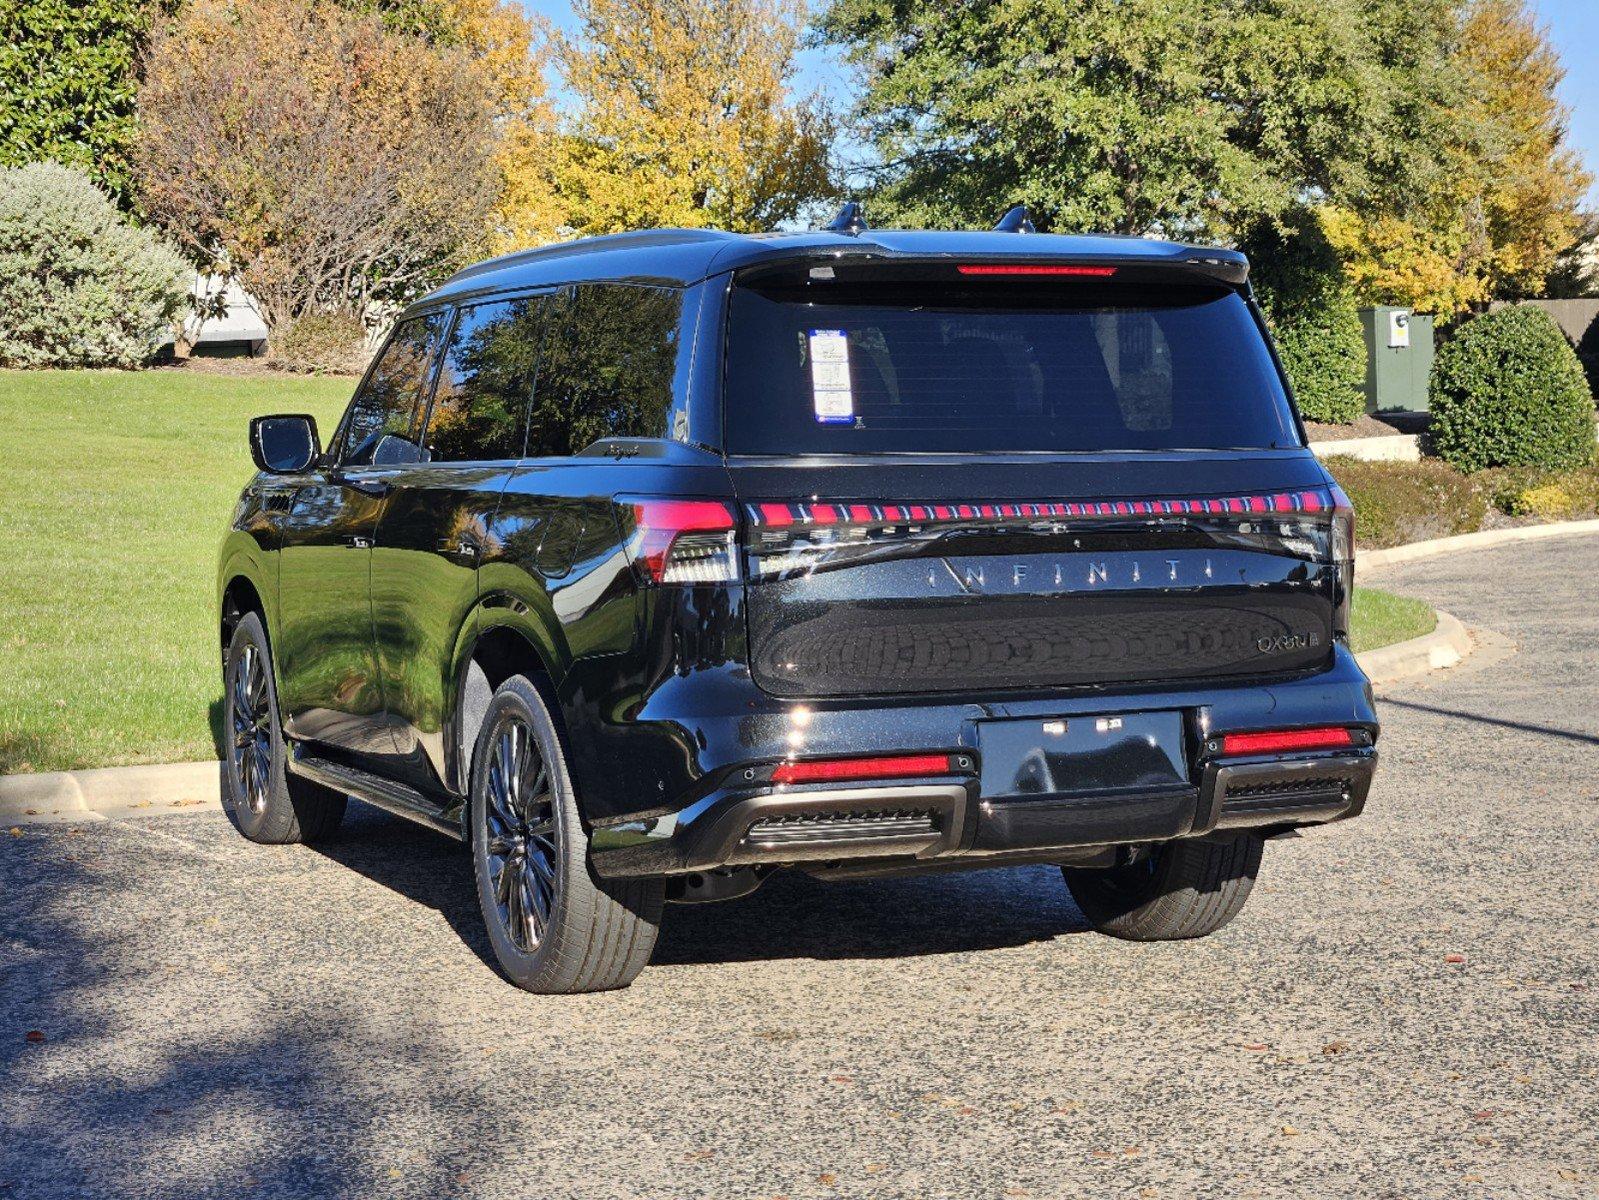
284	445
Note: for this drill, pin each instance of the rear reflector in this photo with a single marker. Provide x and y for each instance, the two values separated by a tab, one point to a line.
1023	269
834	770
1284	741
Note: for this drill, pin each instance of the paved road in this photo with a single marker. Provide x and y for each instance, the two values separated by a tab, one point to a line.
225	1019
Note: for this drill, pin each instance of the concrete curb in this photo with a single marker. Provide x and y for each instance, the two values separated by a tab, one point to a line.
1446	646
1398	447
111	792
1371	560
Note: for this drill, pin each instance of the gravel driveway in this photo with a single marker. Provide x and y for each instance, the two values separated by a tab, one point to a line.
1409	1005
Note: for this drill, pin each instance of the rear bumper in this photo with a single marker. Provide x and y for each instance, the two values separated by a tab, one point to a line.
947	819
744	819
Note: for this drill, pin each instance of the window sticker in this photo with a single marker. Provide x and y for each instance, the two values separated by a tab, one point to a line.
830	390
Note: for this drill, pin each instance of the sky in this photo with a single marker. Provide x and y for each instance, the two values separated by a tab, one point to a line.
1573	27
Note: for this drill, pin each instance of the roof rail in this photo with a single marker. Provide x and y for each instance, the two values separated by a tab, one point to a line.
592	245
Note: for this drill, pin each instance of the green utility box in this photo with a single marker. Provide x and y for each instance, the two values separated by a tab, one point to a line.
1398	358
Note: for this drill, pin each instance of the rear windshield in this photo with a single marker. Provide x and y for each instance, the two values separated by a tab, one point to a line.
1025	365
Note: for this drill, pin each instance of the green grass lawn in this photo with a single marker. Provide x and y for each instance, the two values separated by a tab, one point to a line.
1382	618
115	489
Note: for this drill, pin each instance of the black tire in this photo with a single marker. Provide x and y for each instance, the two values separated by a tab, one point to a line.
268	804
1183	889
555	928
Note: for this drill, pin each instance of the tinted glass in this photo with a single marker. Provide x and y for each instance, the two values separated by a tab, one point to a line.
387	401
480	405
946	368
606	367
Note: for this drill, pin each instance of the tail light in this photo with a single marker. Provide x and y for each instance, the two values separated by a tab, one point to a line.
680	541
788	539
1341	552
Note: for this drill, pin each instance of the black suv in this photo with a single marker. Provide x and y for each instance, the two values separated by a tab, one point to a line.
649	564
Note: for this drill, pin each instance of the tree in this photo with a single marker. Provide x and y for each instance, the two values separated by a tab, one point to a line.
683	117
326	162
1499	204
1311	308
1533	181
503	41
69	68
1205	120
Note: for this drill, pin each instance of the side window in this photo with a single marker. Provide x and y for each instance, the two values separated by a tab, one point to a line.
606	368
387	401
480	407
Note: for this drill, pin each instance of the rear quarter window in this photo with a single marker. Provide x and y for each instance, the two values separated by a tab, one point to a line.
606	367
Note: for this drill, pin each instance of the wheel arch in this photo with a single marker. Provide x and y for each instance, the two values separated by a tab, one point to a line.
490	650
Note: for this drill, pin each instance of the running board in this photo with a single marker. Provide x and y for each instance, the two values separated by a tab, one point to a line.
396	798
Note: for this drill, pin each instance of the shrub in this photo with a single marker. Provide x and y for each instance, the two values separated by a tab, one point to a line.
1508	390
1399	502
1562	496
78	287
1312	312
332	343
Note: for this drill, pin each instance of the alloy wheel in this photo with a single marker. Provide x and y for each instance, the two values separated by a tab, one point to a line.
520	812
252	729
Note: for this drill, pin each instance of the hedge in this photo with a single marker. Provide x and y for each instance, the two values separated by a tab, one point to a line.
1509	391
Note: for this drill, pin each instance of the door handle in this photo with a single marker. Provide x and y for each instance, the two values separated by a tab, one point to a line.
356	542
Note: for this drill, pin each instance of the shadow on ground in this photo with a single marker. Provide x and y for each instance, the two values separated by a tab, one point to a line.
791	916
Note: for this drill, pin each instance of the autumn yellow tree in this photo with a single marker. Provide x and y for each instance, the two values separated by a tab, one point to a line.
683	116
1504	202
1534	181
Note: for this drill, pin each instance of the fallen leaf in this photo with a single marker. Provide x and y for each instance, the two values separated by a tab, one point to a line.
843	1079
827	1179
1335	1047
875	1168
1482	1139
1100	1154
1454	958
16	831
1569	1175
1485	1115
1132	1151
35	1035
1017	1191
699	1155
1290	1131
1471	1179
1256	1046
1148	1194
30	812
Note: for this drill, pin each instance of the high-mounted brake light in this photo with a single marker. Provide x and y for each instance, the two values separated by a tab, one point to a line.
1036	269
1285	741
835	770
681	541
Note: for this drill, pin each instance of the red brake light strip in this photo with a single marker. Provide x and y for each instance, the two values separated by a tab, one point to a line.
833	770
1034	269
1281	741
781	515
